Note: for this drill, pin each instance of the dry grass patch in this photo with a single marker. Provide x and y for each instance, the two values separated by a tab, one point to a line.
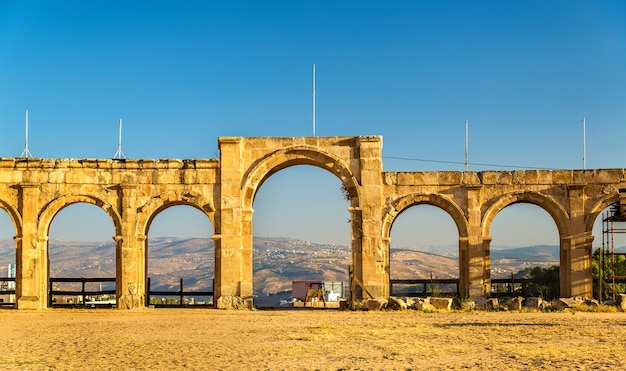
325	340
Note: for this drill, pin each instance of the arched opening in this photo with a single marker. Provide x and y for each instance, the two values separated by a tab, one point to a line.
301	239
81	257
608	261
180	258
525	245
7	260
424	252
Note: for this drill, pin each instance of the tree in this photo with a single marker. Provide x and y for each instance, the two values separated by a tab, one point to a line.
611	266
545	282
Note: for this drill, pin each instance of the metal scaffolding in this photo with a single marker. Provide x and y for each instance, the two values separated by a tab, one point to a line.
613	223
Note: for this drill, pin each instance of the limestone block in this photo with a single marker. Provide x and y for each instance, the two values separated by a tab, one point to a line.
405	178
534	302
609	175
390	178
519	177
488	177
470	178
562	176
410	302
231	302
396	303
492	303
544	176
441	303
567	303
515	303
423	305
468	305
449	178
505	177
621	302
375	304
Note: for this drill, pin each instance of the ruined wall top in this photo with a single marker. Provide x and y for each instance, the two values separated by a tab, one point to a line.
505	177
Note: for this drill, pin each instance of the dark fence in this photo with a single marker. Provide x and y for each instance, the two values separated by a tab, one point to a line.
179	298
500	287
7	291
424	287
83	298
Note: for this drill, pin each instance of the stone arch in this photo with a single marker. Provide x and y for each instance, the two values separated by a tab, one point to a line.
52	208
300	155
450	207
547	203
15	216
152	209
602	204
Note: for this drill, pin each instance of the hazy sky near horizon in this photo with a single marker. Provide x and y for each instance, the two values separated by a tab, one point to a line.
182	74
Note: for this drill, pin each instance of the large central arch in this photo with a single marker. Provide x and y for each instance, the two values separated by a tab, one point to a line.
299	155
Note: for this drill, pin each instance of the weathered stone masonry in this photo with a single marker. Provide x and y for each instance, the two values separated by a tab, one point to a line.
133	192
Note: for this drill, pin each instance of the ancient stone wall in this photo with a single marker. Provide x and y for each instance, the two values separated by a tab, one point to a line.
133	192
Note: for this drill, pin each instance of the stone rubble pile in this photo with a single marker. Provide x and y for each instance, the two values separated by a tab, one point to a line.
431	304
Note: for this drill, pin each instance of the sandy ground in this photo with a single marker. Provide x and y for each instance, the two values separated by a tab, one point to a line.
195	339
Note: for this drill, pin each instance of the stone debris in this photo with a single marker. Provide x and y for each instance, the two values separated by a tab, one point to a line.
375	304
515	303
621	302
441	303
535	303
423	304
396	304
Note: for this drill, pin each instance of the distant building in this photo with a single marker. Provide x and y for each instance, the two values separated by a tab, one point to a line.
309	290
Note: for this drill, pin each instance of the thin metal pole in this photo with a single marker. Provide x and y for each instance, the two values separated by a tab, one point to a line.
584	145
466	146
313	99
26	152
119	154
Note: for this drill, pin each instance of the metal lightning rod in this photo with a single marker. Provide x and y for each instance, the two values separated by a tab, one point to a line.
584	145
119	153
313	99
26	153
466	146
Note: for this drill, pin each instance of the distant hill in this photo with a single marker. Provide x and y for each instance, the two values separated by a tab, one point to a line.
276	262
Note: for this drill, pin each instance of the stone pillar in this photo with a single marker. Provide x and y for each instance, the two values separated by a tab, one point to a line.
575	252
31	256
474	250
575	268
372	271
130	254
233	227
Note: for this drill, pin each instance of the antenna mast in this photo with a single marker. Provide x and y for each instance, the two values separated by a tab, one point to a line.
466	146
26	153
584	145
313	99
119	154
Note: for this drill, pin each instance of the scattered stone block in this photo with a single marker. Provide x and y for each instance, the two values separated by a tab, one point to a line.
468	305
535	303
480	302
375	304
515	303
441	303
396	303
423	305
410	302
492	303
567	303
621	302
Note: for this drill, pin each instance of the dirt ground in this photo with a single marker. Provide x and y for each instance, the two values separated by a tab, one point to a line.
195	339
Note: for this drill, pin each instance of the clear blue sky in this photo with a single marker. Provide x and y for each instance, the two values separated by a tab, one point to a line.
181	74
